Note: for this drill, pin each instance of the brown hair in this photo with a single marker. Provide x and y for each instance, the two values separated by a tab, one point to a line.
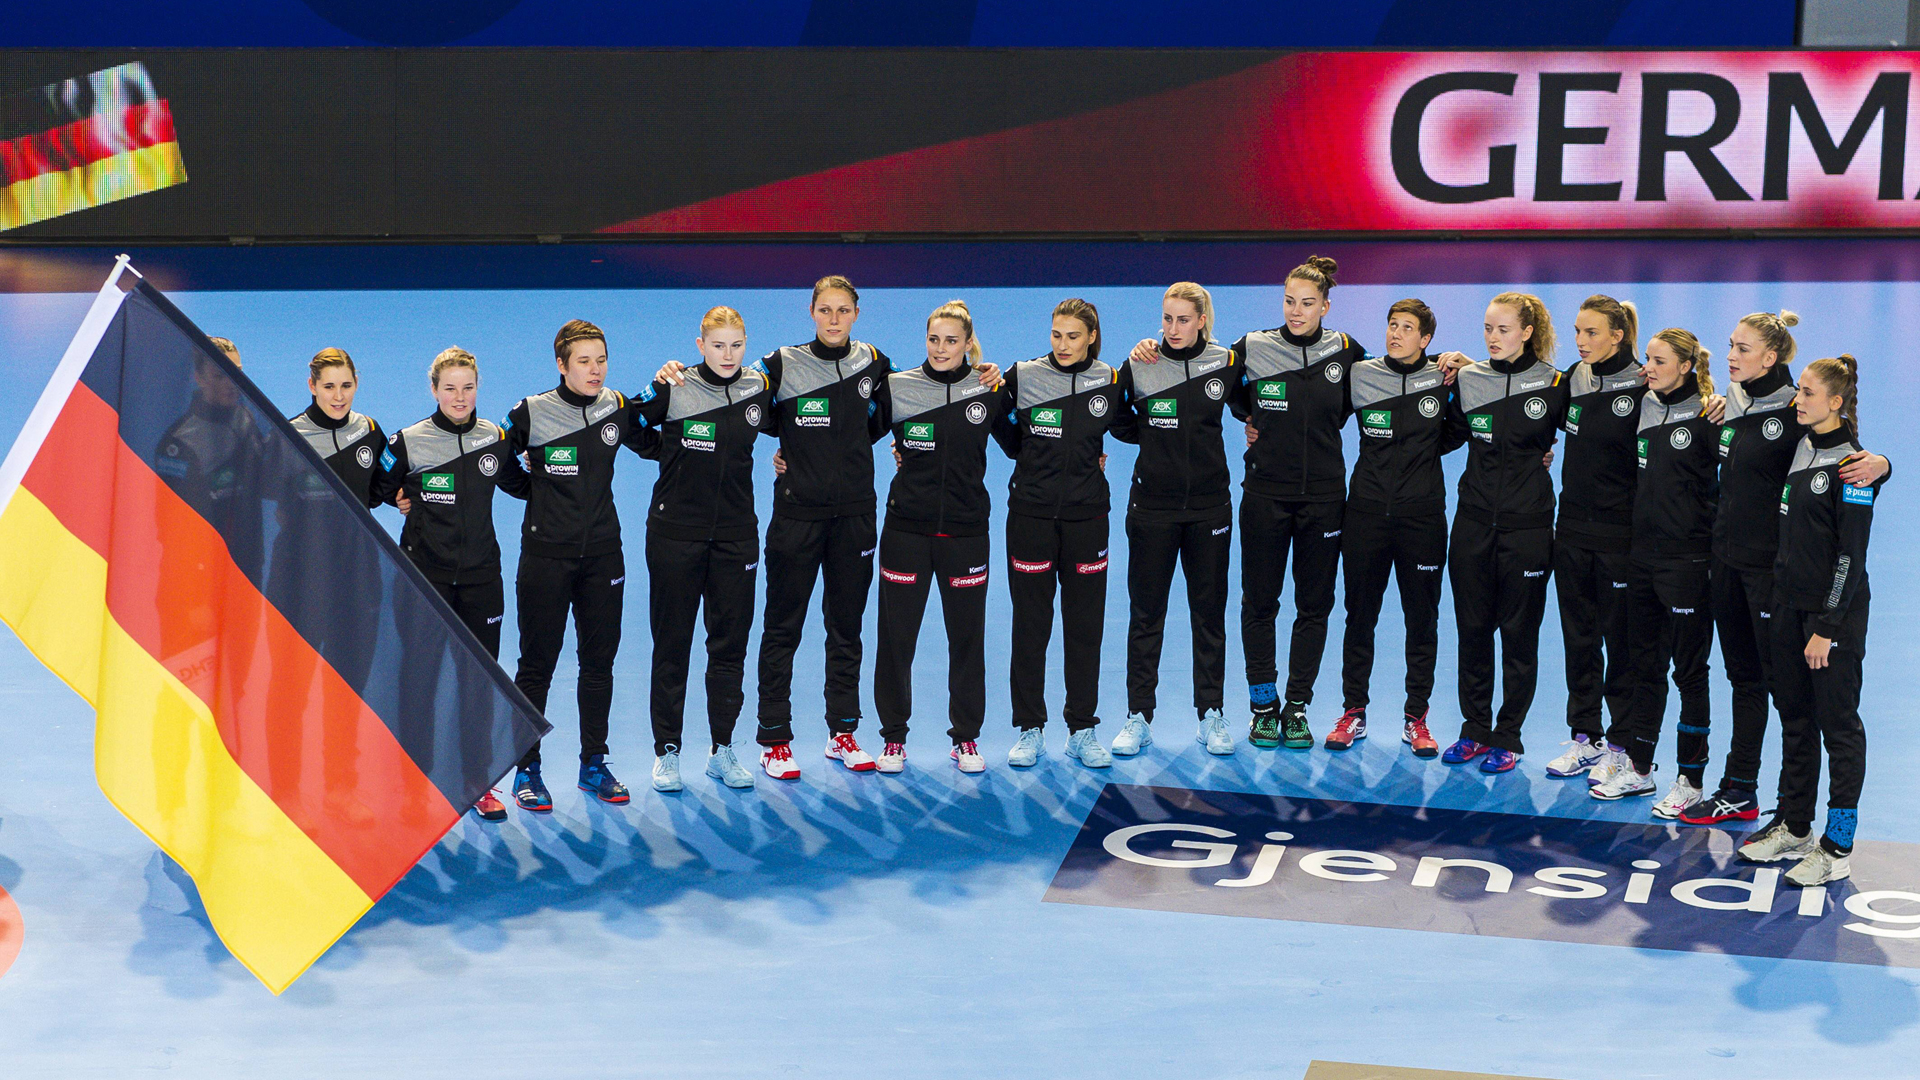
576	330
1688	347
1841	374
451	358
327	358
1533	313
1775	331
721	316
1202	301
1075	308
957	311
1317	271
1620	316
831	282
228	347
1421	313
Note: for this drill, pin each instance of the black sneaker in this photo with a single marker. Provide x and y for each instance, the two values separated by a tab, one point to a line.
1727	804
1294	732
1264	732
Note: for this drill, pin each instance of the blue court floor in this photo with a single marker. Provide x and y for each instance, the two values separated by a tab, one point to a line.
859	925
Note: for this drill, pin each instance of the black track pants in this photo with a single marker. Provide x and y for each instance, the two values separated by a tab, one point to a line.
1413	551
1742	615
1593	587
840	550
1203	550
594	590
1268	529
1499	579
1816	707
909	564
683	577
1041	552
1672	629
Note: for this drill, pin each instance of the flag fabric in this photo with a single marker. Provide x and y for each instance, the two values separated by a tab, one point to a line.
283	703
82	142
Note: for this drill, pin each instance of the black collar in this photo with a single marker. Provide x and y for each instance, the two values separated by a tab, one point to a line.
578	401
1767	381
441	421
1514	367
1839	436
1685	390
1187	353
1303	342
319	416
947	377
1621	359
1409	368
1069	369
713	378
830	352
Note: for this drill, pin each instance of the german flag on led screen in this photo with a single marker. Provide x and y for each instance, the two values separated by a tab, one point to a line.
83	142
284	704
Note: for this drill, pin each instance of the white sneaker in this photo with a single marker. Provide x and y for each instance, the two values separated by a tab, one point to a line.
1681	795
1612	760
966	757
666	771
1579	757
1777	843
778	762
1819	867
1135	736
1085	745
1624	783
845	750
1027	749
1213	733
723	766
893	759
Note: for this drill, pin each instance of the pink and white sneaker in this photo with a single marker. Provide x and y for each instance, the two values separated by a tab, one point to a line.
894	758
846	751
966	758
778	761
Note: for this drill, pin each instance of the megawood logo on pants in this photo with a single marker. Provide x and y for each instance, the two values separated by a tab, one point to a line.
1633	884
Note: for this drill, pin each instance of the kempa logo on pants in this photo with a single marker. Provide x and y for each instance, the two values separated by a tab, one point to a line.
1630	884
813	412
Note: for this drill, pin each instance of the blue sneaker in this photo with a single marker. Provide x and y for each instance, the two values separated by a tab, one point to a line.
1463	751
598	779
1499	761
530	792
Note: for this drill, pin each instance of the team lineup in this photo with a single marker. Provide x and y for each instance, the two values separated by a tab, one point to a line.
1681	514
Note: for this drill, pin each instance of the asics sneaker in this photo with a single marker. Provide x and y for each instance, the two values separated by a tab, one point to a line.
1294	732
1727	804
1135	735
1581	755
1682	794
723	766
1027	748
893	758
1213	733
966	757
666	771
1498	760
1614	760
598	779
845	750
1819	867
1624	783
1352	725
1085	745
778	762
1777	843
530	792
1413	732
1463	751
1264	730
489	807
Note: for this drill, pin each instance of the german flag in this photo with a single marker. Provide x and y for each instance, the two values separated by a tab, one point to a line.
284	704
83	142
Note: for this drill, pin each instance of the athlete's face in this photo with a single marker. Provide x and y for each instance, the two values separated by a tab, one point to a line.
584	368
1071	340
1815	405
947	344
215	387
1505	336
834	314
1747	356
333	388
1306	306
1180	323
1595	337
1405	342
1666	372
724	348
457	390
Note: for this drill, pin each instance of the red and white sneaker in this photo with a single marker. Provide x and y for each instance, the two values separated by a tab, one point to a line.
489	807
846	751
966	757
893	759
778	761
1413	732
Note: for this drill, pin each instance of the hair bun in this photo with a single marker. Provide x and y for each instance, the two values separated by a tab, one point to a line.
1323	264
1787	318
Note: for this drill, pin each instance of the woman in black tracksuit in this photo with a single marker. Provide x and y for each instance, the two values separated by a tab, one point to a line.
1673	506
1509	408
1819	624
442	473
1396	517
936	528
1757	443
1179	511
1053	424
1292	394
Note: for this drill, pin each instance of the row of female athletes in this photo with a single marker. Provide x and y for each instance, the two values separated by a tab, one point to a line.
1680	510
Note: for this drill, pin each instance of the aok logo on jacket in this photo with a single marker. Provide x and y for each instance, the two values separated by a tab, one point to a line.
1271	394
813	412
1377	423
1482	425
698	434
1047	422
1163	412
919	435
436	487
561	460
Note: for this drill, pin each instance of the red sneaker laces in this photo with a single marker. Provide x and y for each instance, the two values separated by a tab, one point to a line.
968	748
780	752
